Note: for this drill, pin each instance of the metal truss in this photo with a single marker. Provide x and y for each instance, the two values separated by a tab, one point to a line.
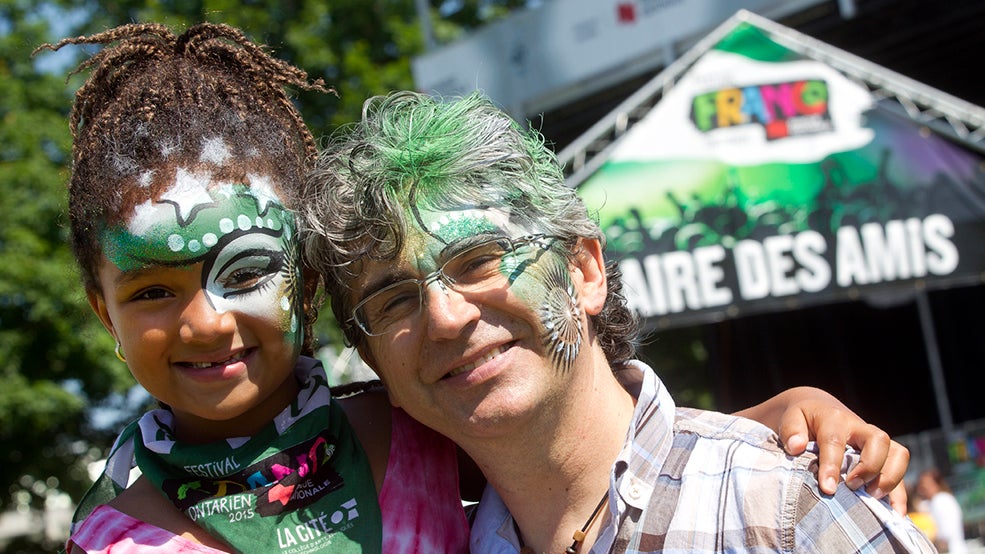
930	107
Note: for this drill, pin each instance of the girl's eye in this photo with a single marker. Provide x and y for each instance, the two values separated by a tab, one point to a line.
151	294
244	277
248	273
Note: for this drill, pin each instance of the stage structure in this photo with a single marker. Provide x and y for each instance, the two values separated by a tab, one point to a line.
764	170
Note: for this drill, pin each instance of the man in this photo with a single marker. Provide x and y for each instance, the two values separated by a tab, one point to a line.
472	281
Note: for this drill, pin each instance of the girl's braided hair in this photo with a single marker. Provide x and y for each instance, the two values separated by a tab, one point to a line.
151	101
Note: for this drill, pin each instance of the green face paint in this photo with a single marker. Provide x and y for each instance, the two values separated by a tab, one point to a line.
243	235
537	273
560	314
191	219
455	226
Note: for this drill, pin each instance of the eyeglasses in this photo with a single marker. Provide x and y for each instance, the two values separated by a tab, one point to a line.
477	268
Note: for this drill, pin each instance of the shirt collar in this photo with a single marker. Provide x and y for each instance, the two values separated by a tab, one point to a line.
493	531
648	442
649	437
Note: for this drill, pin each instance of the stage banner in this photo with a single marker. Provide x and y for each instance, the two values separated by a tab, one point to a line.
766	180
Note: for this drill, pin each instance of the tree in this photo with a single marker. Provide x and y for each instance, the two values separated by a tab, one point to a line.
359	47
56	361
54	357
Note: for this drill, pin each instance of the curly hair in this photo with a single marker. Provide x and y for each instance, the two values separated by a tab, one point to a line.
410	151
151	104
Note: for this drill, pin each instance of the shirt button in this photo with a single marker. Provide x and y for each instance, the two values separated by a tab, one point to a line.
634	493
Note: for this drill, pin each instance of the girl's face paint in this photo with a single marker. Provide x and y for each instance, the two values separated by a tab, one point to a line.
243	236
203	289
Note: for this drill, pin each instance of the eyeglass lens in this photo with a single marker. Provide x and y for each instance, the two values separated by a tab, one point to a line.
477	268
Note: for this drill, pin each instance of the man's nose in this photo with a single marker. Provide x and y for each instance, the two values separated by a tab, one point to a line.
448	311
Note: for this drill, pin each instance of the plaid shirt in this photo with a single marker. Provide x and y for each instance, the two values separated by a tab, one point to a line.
695	481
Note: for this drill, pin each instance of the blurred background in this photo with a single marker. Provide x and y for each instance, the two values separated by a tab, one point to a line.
65	395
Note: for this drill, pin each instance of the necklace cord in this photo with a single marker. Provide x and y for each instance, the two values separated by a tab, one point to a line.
579	535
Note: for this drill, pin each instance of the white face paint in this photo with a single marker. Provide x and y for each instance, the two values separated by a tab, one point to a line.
250	274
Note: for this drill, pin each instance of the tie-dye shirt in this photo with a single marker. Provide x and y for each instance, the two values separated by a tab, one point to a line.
420	500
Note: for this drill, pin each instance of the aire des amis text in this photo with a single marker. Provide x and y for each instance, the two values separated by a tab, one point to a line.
786	265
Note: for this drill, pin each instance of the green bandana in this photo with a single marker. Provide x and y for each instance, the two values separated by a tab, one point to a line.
297	486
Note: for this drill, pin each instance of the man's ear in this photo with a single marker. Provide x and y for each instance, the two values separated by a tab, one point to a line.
589	274
98	305
367	356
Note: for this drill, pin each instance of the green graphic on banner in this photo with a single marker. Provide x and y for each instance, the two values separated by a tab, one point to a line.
763	177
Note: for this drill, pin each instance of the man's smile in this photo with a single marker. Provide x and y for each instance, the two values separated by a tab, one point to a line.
485	357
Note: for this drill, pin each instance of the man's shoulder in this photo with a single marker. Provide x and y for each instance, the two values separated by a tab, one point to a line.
722	476
722	429
741	468
710	443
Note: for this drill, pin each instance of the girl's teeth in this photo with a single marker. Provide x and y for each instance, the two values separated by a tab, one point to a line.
206	365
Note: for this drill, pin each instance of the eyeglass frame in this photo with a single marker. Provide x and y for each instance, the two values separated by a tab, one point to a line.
444	281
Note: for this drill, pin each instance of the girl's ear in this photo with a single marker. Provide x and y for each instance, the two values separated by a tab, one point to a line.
589	275
98	305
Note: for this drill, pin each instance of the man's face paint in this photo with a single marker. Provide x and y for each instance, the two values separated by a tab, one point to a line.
243	235
541	281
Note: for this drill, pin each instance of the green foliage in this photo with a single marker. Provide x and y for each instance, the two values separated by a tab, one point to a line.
56	361
359	47
49	343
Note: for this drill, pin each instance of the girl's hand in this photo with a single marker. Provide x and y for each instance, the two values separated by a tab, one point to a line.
804	413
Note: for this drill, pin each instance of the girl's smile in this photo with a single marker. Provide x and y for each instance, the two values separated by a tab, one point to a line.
232	367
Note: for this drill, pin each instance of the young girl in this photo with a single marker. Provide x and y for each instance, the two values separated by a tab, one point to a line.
187	159
187	162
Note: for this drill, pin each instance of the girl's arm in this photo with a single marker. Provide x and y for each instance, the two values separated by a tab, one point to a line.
800	414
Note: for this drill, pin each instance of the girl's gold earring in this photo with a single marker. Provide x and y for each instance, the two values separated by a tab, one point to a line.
119	354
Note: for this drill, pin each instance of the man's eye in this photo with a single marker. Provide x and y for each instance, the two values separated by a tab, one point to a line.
480	259
476	264
394	302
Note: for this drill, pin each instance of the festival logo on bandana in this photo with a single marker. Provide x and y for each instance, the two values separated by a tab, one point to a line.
301	484
283	482
243	235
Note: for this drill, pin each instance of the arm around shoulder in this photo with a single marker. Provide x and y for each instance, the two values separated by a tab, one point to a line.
368	412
